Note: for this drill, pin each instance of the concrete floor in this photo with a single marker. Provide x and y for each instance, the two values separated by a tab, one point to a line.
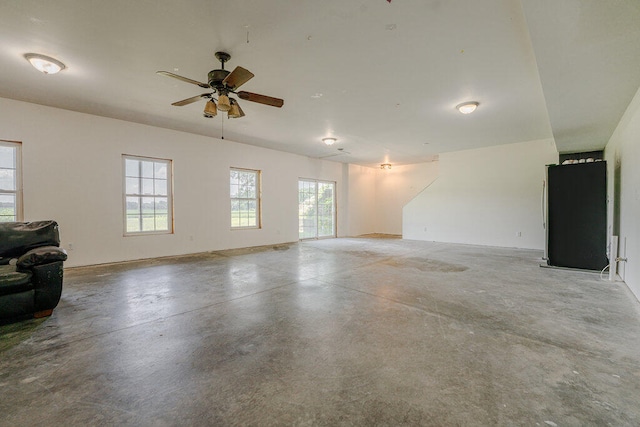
331	332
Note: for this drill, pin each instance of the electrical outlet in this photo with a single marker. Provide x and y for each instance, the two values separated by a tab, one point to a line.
518	233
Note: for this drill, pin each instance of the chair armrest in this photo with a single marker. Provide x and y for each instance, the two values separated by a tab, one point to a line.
47	281
40	256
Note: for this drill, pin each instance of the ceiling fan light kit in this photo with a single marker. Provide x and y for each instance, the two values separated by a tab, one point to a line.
223	103
210	109
235	111
223	83
44	64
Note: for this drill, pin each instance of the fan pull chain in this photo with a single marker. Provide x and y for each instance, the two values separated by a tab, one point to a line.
221	119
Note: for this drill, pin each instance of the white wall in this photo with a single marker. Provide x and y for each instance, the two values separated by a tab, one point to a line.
72	172
377	197
395	188
361	204
623	161
485	197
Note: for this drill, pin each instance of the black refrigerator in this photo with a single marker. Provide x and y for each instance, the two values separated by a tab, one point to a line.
577	215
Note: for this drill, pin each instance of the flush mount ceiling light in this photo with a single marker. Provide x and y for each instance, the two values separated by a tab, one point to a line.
467	107
385	166
45	64
329	141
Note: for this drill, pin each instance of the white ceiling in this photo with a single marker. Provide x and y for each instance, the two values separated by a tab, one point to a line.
588	56
382	77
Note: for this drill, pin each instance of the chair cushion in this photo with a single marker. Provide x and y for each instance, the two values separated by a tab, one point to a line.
12	281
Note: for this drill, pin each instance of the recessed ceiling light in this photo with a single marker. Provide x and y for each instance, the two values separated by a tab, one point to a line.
329	141
45	64
467	107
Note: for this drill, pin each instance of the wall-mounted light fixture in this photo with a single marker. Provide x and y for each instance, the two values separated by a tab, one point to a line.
385	166
467	107
45	64
329	141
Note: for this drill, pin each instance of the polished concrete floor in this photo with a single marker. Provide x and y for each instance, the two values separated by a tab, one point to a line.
359	331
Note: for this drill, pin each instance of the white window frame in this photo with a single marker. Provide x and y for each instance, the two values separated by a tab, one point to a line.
257	199
17	191
334	212
140	194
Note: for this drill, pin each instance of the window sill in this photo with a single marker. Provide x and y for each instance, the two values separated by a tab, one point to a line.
147	233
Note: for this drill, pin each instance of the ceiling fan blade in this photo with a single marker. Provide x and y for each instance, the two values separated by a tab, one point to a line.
184	79
190	100
261	99
237	78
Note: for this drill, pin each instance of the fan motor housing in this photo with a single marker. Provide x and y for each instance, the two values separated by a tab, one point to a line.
216	77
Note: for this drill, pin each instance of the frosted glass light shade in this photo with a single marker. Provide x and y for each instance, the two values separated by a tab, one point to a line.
223	103
210	109
234	112
45	64
467	107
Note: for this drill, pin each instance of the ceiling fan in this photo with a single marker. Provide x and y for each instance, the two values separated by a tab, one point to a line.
223	83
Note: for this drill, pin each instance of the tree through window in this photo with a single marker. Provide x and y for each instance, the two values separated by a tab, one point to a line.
147	195
245	198
316	209
10	194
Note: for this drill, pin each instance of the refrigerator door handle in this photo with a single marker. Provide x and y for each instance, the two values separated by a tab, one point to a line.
544	205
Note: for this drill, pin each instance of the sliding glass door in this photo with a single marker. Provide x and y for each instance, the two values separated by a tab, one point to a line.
316	209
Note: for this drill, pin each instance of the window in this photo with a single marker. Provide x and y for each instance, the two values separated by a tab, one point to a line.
10	182
316	209
147	198
245	198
